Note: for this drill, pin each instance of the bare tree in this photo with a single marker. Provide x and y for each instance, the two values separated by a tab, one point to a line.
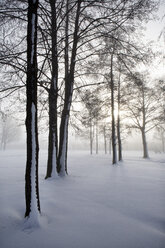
141	107
69	81
9	130
114	158
118	118
72	33
53	93
31	177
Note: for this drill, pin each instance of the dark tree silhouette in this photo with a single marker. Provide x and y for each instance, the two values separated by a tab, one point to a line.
31	177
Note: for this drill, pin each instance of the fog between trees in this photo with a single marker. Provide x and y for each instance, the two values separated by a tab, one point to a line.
77	63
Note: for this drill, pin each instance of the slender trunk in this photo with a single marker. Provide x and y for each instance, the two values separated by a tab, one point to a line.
53	92
69	81
63	146
114	157
31	177
119	140
118	125
145	149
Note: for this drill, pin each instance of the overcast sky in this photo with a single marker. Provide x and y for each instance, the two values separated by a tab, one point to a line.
155	27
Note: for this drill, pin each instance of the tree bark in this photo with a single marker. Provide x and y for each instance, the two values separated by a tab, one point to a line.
114	157
53	93
145	149
31	177
69	81
63	144
118	125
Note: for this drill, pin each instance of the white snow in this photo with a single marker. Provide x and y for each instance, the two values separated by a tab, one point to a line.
97	206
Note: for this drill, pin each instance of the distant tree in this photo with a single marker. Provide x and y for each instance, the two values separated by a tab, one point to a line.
4	128
31	177
160	93
160	128
160	135
87	122
92	115
80	26
112	87
141	106
106	131
118	118
9	130
92	20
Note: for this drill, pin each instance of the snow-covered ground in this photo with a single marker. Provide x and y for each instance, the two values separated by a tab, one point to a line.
97	206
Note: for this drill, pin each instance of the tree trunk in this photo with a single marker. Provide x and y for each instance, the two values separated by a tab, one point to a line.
69	81
145	149
31	177
118	125
119	140
63	146
114	157
53	92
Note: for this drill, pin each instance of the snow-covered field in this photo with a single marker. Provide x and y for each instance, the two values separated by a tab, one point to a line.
97	206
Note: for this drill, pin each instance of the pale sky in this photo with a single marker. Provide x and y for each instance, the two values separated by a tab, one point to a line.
152	33
155	27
